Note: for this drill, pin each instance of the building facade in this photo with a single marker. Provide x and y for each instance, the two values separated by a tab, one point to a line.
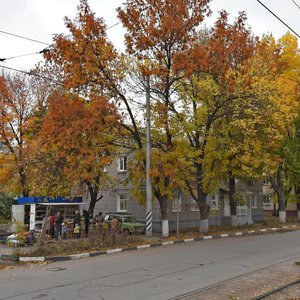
182	209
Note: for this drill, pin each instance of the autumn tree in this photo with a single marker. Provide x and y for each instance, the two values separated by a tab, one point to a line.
80	134
209	95
158	33
286	68
90	62
292	161
19	100
260	122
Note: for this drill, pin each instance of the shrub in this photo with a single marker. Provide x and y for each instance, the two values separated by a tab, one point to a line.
5	207
96	241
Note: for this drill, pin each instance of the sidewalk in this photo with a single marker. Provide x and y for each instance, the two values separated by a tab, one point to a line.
252	285
5	249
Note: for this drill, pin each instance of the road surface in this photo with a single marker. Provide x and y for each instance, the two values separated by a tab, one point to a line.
155	273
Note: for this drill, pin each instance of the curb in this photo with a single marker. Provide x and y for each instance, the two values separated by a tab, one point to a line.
142	247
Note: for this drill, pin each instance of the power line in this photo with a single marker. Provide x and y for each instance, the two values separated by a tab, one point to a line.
23	55
296	4
23	37
113	25
30	74
37	41
279	18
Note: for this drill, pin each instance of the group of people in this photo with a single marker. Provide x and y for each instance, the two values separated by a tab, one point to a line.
56	227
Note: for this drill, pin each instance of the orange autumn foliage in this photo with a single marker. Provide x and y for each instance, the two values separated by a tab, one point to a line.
82	134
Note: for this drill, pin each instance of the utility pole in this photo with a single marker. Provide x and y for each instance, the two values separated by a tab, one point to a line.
148	164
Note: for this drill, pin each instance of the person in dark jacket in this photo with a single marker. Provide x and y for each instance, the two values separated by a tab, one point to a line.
58	221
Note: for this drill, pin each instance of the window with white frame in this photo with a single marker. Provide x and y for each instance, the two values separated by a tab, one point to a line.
241	210
122	164
214	201
122	203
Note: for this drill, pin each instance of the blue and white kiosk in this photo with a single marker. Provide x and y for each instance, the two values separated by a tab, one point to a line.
31	210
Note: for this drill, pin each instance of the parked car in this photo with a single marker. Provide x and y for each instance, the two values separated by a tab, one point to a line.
128	223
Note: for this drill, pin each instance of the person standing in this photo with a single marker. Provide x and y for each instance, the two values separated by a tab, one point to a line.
63	230
52	224
58	224
76	224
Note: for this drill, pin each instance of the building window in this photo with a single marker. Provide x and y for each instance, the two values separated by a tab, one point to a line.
253	200
241	211
267	199
122	164
194	205
214	201
122	203
251	182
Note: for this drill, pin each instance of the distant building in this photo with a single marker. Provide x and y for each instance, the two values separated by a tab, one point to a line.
270	204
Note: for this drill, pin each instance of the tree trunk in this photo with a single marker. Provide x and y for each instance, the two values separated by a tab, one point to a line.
282	209
23	182
94	198
275	211
297	192
164	215
277	182
93	202
232	202
204	213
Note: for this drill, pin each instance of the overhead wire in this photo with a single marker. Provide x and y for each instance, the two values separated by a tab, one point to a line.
278	18
296	4
23	55
33	40
40	42
23	37
33	53
111	26
30	74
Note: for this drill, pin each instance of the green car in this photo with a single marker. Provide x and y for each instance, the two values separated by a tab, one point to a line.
128	223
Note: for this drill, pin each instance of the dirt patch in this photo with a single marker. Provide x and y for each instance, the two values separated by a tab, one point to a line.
290	293
6	265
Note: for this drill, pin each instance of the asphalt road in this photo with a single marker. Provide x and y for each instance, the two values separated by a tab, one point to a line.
156	273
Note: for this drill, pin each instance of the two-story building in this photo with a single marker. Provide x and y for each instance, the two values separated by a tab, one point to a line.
183	209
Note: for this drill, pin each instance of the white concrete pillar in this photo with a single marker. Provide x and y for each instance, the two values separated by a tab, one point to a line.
282	216
32	216
165	228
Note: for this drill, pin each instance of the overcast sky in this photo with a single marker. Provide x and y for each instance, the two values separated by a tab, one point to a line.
40	19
